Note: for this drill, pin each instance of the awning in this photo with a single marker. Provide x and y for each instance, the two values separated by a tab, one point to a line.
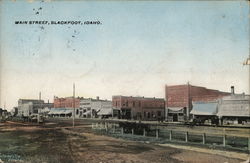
175	109
105	112
87	112
45	110
60	111
67	112
209	108
53	112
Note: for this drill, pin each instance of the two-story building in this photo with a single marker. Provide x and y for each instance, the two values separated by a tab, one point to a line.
179	99
234	109
93	108
27	107
140	108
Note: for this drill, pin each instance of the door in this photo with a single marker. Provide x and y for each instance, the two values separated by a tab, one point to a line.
175	118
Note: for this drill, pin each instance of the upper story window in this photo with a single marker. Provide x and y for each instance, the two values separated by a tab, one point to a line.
159	113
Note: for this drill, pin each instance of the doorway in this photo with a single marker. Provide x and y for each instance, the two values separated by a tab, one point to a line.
175	118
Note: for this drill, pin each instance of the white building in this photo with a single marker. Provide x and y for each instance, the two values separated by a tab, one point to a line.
234	108
26	107
92	108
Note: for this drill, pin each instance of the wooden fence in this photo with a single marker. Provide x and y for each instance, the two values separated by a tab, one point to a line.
174	135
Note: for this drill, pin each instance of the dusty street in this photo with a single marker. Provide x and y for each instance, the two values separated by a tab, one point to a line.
61	143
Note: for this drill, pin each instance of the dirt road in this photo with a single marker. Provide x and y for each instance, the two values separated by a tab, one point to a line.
61	143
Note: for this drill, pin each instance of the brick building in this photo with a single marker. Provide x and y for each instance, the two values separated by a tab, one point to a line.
67	102
179	99
141	108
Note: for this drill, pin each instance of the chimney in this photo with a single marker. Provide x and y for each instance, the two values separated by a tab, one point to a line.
232	89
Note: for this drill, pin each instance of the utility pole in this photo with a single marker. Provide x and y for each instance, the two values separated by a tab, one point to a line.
247	62
166	104
38	111
73	105
188	101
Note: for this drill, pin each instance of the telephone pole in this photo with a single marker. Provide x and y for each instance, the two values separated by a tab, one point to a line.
38	110
247	62
73	105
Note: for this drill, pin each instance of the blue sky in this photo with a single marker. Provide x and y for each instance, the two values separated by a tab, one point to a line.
140	47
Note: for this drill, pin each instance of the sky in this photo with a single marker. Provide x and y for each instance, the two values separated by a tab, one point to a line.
138	48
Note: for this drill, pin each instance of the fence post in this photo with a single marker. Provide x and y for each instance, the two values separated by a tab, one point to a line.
170	135
186	137
203	138
114	129
132	131
106	127
122	131
157	133
224	140
144	132
248	144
